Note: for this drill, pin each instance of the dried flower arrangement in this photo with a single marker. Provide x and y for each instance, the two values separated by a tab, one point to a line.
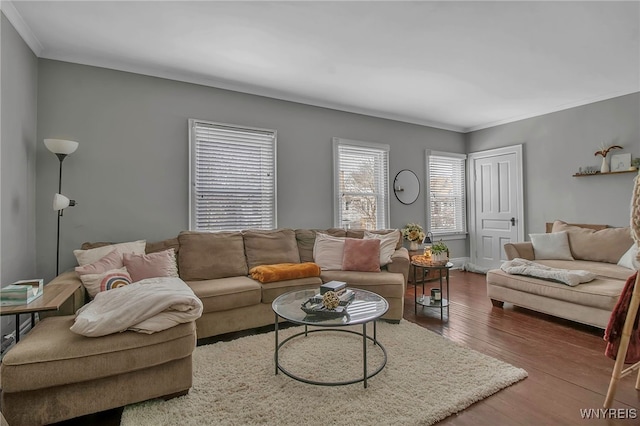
605	150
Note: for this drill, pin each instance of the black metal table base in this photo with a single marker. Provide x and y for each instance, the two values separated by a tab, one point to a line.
444	302
365	374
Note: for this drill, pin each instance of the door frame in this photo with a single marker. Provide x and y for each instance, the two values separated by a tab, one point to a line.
471	180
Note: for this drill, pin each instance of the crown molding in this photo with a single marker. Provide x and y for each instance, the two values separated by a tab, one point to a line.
34	44
275	94
21	27
242	88
559	108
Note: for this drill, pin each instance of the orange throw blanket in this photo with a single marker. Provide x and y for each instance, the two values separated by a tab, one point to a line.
284	271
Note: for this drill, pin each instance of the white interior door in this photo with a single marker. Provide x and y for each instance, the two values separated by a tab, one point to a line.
496	204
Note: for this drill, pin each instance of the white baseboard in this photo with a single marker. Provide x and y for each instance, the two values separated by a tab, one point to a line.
459	262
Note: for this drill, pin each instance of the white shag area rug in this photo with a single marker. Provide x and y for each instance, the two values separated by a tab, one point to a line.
427	378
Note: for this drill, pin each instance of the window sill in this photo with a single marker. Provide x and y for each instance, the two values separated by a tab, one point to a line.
448	237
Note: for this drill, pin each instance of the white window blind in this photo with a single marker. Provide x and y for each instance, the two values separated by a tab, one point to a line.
446	198
232	177
361	193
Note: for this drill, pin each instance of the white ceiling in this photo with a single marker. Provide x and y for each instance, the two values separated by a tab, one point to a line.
455	65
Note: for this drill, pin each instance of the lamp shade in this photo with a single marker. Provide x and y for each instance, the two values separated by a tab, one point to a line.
61	146
60	202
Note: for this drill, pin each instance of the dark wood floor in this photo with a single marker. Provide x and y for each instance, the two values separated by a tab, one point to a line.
568	371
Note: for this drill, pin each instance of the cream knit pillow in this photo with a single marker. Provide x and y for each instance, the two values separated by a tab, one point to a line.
553	245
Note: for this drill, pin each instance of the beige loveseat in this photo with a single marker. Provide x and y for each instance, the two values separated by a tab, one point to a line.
53	374
595	248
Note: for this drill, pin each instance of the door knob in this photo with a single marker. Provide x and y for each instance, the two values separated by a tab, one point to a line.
513	221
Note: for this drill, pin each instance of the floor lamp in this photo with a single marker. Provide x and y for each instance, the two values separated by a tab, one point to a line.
61	148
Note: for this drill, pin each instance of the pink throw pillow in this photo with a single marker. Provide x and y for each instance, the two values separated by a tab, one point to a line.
160	264
361	255
111	261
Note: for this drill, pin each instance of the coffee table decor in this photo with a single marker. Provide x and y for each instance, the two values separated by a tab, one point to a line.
329	304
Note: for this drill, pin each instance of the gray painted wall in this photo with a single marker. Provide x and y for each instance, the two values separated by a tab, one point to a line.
556	146
17	159
130	172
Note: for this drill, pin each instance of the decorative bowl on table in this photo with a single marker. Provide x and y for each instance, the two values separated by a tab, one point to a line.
421	259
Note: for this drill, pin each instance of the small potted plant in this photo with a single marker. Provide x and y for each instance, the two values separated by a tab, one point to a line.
439	252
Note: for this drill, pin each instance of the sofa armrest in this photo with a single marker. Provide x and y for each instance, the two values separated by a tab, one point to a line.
522	250
72	304
400	263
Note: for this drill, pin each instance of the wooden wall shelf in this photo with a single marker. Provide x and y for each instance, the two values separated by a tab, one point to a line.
601	174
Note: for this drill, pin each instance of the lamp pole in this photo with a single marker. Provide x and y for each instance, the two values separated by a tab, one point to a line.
61	157
61	148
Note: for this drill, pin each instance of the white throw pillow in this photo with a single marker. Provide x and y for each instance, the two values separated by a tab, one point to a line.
554	245
388	244
84	257
114	278
328	252
629	259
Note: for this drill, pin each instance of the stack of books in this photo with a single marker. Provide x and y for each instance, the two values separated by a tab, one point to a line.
21	292
335	286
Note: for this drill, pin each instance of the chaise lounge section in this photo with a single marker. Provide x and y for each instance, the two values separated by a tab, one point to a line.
53	374
594	248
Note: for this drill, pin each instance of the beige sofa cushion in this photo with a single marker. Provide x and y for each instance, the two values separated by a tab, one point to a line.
305	238
272	290
158	246
264	247
336	232
606	245
384	283
52	355
223	294
600	293
210	255
602	269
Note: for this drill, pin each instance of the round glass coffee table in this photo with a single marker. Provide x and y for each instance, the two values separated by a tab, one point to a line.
365	307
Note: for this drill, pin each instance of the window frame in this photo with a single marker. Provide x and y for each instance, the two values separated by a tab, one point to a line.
382	184
192	171
451	234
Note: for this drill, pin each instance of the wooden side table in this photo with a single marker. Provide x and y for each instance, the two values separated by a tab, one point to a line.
430	275
425	301
53	296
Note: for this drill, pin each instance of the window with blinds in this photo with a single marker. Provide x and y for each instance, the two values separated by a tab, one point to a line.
361	196
232	177
446	198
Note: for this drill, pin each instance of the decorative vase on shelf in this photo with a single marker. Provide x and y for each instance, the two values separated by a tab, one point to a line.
604	168
413	245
